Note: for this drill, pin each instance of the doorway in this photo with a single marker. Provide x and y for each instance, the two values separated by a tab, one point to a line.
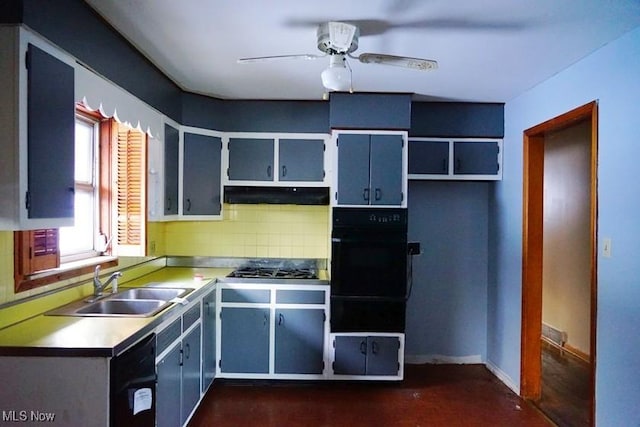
535	141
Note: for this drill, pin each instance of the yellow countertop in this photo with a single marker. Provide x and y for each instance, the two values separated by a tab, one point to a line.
45	335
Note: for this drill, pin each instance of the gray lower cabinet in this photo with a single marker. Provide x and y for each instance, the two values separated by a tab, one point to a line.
190	373
370	169
208	339
244	340
299	341
169	372
179	382
201	175
366	355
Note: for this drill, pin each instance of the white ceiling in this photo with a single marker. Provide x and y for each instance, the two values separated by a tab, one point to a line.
488	51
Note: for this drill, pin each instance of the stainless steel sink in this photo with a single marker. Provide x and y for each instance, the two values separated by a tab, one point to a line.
134	302
123	307
164	294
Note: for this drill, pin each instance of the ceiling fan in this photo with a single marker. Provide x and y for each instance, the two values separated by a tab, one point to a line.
338	40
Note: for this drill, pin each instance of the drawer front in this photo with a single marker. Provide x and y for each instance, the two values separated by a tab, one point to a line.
285	296
190	317
168	335
257	296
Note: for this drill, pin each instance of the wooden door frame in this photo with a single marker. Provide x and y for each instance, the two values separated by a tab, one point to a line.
532	239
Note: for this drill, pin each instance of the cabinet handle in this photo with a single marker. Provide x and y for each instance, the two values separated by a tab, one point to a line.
187	353
363	347
374	347
280	319
264	320
378	194
269	171
188	205
284	171
207	305
72	190
168	203
365	194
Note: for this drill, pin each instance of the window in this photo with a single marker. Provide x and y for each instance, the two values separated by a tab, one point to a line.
110	206
80	240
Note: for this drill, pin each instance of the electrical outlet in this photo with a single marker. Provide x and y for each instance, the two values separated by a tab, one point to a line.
152	247
413	248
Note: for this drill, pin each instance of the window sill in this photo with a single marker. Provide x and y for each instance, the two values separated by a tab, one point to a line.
66	271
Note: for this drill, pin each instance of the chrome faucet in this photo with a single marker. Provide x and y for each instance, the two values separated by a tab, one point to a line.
99	287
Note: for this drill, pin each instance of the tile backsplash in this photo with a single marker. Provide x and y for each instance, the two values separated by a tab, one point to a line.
273	231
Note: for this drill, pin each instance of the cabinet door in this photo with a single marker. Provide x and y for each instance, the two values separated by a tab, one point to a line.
244	340
350	355
299	341
429	157
386	170
250	159
171	142
208	339
50	136
190	372
168	389
382	355
301	160
201	176
475	157
353	169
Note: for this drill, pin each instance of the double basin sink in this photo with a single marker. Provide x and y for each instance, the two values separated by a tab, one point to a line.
134	302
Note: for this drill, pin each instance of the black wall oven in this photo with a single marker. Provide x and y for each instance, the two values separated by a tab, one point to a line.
368	269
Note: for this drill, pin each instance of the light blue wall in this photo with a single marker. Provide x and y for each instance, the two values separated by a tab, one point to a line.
447	311
611	75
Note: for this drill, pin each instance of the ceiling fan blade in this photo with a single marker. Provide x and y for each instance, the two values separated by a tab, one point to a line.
419	64
279	57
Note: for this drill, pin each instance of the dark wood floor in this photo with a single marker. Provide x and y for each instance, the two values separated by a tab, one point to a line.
566	395
430	395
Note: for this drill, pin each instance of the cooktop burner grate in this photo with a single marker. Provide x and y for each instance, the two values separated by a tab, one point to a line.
273	273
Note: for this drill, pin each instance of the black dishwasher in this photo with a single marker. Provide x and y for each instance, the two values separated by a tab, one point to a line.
133	385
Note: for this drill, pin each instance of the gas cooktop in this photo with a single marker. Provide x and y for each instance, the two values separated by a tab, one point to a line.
273	273
266	269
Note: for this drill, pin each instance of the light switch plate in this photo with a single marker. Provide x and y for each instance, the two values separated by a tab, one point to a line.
606	247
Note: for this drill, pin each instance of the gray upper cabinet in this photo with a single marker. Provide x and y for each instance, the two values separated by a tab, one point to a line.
428	157
251	159
455	159
171	169
37	102
370	169
201	176
51	127
301	160
476	157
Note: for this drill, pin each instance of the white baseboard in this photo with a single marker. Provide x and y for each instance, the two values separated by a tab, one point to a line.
418	359
502	376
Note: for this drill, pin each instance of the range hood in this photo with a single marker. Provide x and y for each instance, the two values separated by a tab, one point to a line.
276	195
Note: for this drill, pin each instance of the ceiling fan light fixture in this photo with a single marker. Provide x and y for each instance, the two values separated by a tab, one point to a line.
337	77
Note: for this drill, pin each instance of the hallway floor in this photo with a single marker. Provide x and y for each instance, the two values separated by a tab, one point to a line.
430	395
565	388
